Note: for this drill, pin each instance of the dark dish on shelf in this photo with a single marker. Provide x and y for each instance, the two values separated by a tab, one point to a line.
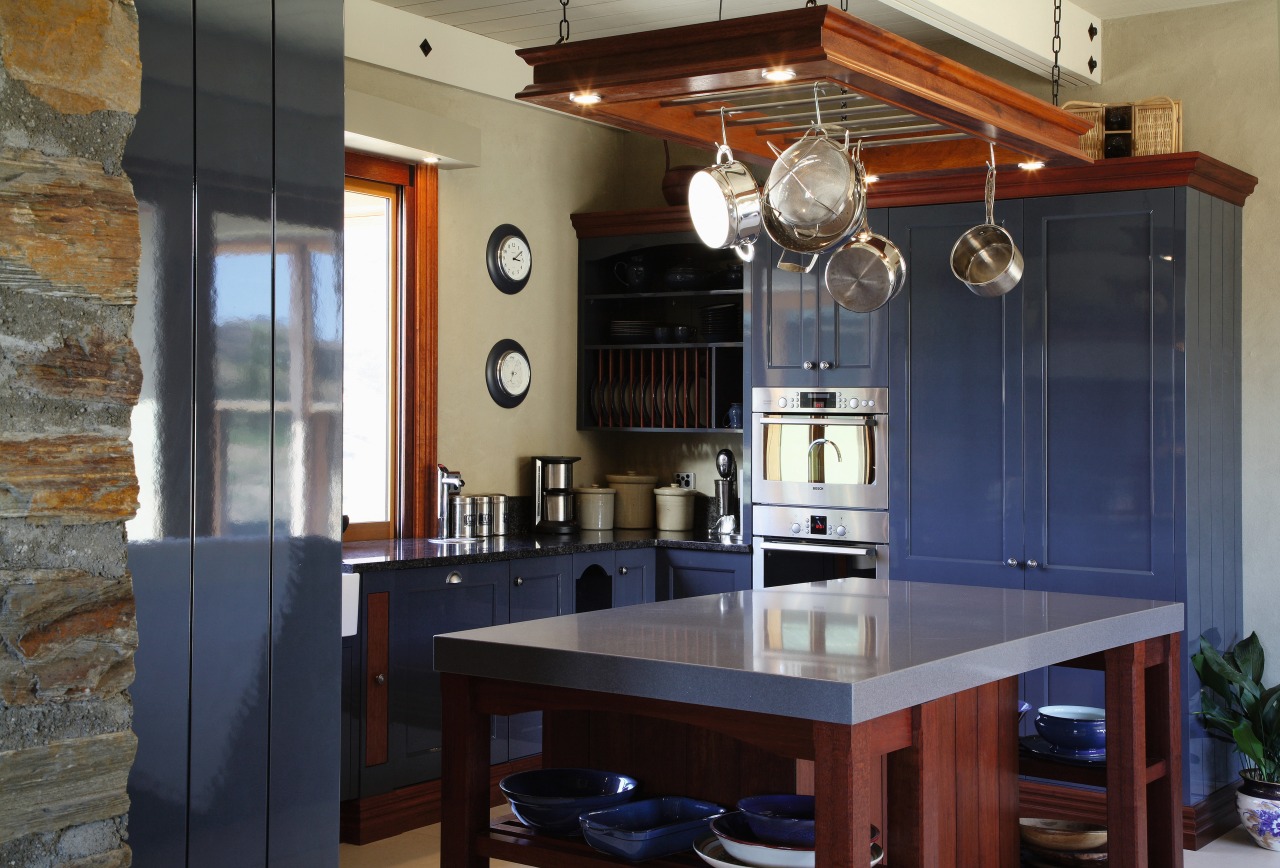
649	828
551	800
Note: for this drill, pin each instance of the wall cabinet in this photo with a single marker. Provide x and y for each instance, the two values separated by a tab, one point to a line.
1081	433
802	338
693	573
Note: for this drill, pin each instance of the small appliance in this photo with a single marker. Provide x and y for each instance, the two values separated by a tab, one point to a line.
553	494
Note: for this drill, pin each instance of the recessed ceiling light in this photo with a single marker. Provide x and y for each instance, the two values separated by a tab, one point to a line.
430	159
1032	165
778	74
584	98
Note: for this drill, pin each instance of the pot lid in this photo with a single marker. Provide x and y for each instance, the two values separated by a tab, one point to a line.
673	490
630	477
593	489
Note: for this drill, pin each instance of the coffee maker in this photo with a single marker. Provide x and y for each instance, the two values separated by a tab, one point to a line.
553	494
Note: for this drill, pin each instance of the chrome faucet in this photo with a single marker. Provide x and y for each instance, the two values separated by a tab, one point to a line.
446	480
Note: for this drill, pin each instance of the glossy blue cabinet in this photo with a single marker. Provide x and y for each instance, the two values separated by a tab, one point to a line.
634	577
693	573
1081	433
540	588
801	338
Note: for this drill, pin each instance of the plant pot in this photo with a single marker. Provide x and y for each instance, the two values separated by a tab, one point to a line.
1258	804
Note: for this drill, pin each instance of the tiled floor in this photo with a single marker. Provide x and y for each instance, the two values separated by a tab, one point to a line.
421	849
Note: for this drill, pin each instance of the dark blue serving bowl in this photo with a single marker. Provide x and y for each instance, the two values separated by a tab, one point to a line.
780	819
1073	727
649	828
550	800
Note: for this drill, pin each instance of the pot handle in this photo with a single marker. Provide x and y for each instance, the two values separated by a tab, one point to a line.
797	266
990	193
746	251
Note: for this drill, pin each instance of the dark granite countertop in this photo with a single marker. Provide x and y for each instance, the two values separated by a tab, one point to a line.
407	554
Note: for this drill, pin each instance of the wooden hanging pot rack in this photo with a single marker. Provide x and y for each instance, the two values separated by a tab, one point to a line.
915	110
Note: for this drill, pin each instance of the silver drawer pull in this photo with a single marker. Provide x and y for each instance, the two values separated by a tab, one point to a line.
379	679
622	571
454	578
519	581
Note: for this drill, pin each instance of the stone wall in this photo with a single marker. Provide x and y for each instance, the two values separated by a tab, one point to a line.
70	81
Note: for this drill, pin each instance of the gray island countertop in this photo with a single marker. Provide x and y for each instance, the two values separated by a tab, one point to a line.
844	651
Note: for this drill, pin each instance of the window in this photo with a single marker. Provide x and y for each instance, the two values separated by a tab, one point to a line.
389	349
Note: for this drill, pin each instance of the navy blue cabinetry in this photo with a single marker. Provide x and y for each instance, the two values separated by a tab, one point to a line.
540	588
633	577
422	603
1081	433
692	573
801	338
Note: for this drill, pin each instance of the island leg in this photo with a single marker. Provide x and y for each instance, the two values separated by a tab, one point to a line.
464	809
842	797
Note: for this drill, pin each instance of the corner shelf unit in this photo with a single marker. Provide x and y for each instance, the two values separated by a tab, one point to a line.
660	319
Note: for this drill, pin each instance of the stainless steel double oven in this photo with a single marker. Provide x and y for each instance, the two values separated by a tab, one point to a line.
819	484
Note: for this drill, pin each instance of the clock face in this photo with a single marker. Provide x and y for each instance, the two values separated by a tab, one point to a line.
515	257
513	373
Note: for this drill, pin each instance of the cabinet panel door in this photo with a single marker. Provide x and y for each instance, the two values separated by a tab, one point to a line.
955	397
785	315
593	581
633	579
540	588
691	573
1102	320
424	603
855	345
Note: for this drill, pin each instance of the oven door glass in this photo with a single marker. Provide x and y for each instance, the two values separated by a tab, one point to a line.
796	458
790	563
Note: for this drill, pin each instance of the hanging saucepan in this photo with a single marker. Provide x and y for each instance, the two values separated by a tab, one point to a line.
985	259
724	203
868	270
812	198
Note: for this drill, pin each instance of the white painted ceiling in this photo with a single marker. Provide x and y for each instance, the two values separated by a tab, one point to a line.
525	23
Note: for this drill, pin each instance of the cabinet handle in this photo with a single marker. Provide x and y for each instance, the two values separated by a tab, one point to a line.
1012	562
519	581
454	578
1033	565
808	366
826	366
622	571
379	679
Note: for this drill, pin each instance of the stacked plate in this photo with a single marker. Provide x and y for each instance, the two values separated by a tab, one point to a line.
721	323
1065	843
631	331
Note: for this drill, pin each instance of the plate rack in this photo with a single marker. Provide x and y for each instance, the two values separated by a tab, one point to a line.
659	388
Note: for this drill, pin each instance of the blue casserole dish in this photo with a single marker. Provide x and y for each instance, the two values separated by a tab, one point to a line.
649	828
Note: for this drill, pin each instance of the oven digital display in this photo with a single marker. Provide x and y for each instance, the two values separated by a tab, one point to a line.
818	524
817	400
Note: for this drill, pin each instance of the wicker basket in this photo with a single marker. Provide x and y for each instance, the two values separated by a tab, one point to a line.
1151	126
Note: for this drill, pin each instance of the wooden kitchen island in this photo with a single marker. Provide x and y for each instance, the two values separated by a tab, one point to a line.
717	697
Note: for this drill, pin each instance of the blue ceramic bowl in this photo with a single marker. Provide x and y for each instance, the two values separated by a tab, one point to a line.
782	819
1073	727
550	800
649	828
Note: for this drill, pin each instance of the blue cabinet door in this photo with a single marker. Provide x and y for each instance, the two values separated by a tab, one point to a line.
424	603
955	397
796	322
633	577
540	588
1100	402
693	573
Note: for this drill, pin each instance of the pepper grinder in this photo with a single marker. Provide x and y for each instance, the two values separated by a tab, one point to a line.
727	466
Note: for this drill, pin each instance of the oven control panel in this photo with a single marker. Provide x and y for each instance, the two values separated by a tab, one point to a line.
821	523
820	401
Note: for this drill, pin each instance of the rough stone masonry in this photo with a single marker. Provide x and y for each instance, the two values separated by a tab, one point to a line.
70	82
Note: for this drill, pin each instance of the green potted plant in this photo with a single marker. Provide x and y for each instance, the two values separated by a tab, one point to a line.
1235	707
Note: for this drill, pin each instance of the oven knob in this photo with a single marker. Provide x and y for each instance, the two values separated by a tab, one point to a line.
795	527
782	402
840	530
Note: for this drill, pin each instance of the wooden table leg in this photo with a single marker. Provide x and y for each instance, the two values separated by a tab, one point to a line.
1164	741
842	795
986	779
464	809
922	793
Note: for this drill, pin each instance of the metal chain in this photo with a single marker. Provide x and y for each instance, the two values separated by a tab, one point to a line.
564	22
844	5
808	3
1055	75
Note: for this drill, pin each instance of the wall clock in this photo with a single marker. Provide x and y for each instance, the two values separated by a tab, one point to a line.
509	259
507	373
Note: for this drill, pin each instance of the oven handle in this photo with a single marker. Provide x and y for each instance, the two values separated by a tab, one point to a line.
865	420
812	548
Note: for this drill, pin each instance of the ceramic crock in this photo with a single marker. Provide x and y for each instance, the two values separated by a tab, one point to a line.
1258	804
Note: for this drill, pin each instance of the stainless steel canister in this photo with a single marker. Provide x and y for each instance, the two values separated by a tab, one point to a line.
483	515
463	516
499	519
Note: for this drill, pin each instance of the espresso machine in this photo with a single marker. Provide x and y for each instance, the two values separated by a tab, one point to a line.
553	494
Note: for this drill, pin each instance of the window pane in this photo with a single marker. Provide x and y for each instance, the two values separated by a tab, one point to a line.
367	360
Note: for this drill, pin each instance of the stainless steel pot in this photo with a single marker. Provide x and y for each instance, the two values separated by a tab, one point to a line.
985	259
724	204
863	274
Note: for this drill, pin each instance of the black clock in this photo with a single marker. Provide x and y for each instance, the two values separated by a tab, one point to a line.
507	373
509	259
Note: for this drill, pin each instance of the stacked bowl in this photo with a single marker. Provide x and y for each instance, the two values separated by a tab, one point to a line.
769	831
1062	843
551	800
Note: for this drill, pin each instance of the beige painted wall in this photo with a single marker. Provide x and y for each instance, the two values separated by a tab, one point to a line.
1223	62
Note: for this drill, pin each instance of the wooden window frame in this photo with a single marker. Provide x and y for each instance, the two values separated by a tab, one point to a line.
417	368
